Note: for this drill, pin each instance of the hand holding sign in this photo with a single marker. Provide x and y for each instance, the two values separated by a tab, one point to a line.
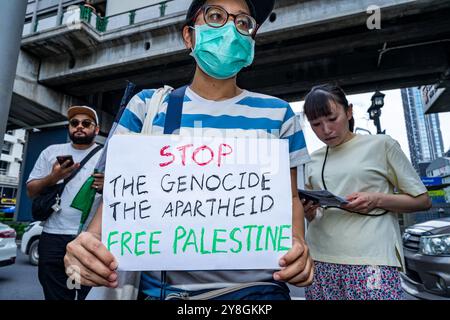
297	265
191	205
88	260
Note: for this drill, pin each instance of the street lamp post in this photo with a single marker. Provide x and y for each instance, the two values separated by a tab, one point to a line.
375	110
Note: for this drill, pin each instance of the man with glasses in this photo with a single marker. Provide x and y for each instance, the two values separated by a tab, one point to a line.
62	226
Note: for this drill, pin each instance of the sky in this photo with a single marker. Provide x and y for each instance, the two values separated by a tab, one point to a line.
392	120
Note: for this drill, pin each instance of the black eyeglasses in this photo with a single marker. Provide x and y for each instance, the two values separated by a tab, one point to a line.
216	17
85	123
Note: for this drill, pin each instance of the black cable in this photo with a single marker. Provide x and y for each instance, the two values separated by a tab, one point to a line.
325	187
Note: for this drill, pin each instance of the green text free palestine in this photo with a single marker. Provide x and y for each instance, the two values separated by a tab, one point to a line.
250	238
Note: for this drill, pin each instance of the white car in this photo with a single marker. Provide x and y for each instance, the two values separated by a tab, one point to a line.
8	247
30	241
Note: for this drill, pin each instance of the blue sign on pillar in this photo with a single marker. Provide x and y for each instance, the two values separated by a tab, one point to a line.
431	181
36	143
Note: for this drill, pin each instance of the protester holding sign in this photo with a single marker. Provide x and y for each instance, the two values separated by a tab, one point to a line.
357	248
58	163
221	37
194	213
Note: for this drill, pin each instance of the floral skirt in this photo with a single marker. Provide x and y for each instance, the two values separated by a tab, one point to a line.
354	282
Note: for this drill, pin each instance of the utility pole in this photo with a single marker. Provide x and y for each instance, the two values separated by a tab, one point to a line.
12	17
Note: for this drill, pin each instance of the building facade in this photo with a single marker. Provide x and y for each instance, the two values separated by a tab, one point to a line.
424	133
10	162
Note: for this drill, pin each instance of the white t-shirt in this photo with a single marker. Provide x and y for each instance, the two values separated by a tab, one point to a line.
365	163
67	220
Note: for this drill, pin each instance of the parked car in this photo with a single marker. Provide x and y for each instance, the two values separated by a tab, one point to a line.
8	212
427	257
8	247
30	241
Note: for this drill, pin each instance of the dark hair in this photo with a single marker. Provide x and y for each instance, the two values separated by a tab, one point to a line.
318	102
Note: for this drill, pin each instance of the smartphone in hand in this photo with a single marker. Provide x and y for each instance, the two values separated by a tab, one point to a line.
62	159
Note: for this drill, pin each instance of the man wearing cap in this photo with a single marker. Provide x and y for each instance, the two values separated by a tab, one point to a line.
220	36
62	226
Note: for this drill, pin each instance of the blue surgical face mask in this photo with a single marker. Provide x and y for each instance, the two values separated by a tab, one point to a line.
222	52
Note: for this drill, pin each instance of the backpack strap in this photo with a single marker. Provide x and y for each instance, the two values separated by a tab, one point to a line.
174	111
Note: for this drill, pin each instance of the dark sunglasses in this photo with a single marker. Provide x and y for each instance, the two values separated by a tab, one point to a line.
85	123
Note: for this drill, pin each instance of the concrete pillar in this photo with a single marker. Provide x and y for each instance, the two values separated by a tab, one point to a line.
12	17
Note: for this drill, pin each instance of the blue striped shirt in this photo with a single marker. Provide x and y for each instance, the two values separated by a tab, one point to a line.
249	114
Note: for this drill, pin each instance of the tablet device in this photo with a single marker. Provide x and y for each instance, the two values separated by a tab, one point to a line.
322	197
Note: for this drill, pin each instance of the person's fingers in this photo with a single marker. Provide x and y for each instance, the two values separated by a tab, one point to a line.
74	166
98	249
301	274
293	269
352	196
99	179
91	262
310	277
303	202
311	210
363	209
73	271
308	205
97	187
71	168
360	206
98	182
297	250
358	203
354	204
85	275
65	164
292	260
310	215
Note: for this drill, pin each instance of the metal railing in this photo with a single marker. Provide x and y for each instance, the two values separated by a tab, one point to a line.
75	14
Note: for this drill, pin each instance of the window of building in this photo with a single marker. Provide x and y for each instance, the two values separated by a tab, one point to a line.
6	148
9	193
3	167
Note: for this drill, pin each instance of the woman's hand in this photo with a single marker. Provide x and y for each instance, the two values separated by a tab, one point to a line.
310	209
362	202
88	261
297	265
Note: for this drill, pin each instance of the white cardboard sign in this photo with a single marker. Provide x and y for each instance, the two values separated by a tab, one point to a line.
193	203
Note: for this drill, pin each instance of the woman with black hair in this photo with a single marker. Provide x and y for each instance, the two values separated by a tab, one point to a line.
356	247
